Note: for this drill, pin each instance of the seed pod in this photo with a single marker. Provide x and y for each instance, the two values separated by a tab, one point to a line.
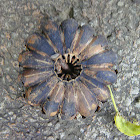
67	69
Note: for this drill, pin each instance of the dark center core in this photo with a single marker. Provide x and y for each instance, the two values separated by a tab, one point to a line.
67	67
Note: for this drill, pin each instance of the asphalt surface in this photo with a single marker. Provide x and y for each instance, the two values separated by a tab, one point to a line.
118	20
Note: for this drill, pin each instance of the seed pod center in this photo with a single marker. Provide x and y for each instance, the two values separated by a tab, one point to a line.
67	67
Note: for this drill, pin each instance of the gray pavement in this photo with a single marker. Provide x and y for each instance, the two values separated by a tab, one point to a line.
118	20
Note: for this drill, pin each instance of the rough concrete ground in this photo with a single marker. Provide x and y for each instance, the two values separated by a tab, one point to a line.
118	20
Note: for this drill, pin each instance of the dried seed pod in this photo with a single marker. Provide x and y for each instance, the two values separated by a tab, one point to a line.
67	69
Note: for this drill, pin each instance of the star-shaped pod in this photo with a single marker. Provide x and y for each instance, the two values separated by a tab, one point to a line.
67	69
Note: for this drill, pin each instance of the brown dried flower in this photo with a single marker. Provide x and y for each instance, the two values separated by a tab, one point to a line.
67	69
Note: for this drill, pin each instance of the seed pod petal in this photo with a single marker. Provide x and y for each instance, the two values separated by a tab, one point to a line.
86	101
51	107
105	57
52	33
38	95
84	39
96	46
37	42
69	28
107	77
30	59
98	89
32	77
69	104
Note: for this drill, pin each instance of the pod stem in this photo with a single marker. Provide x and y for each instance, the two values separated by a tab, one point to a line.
112	97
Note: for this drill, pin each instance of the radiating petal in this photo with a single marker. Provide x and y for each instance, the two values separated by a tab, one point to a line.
31	77
69	104
97	67
97	88
96	46
37	42
69	28
52	32
104	75
86	101
38	95
51	107
86	37
31	59
107	77
105	57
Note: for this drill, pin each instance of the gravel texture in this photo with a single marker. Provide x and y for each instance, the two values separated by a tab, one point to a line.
118	20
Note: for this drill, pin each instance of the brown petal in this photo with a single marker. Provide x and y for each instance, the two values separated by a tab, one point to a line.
104	75
69	104
53	34
98	89
51	107
96	46
69	28
31	77
85	38
31	59
40	44
86	102
38	95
